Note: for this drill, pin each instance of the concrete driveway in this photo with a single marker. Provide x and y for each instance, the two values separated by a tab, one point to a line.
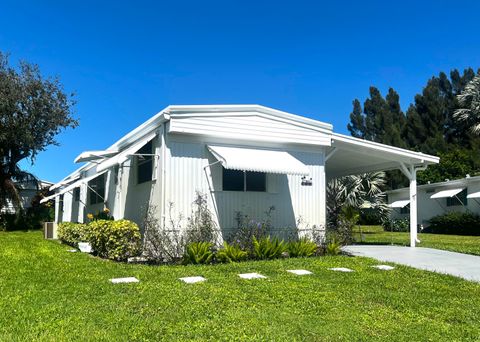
457	264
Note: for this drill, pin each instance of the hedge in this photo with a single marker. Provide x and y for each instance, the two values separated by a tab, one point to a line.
455	223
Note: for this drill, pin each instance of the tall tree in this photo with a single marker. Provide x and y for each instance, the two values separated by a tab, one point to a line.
469	103
356	126
33	110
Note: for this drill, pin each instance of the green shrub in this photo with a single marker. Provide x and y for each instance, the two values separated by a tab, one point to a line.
333	248
456	223
301	248
116	240
198	253
267	248
72	233
396	225
231	253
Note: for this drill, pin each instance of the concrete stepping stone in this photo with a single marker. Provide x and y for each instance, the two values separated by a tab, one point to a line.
72	250
383	267
192	280
251	276
124	280
341	269
300	272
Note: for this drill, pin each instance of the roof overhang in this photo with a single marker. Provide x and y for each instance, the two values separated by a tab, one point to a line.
258	160
349	155
474	195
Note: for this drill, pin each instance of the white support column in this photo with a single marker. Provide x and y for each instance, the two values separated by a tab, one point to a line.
411	173
413	206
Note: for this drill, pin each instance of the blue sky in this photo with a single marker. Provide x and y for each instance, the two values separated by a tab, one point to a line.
128	60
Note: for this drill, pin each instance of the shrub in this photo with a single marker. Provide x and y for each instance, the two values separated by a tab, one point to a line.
201	226
396	225
198	253
301	248
161	245
267	248
247	229
72	233
457	223
332	248
116	240
101	215
231	253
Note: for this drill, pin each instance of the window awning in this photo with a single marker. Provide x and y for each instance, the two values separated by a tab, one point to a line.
48	198
64	182
80	182
447	193
399	204
94	155
474	195
248	159
123	156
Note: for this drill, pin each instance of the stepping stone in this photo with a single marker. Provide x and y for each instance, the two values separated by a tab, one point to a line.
300	272
341	269
383	267
124	280
72	250
251	276
192	280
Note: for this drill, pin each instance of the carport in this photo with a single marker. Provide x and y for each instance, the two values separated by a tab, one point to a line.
348	156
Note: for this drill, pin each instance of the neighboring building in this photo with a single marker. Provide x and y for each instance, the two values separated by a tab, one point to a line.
437	198
27	190
245	158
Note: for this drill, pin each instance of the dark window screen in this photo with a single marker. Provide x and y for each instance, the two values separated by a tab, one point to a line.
233	180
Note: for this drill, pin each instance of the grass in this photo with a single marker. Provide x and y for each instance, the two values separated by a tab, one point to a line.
51	294
454	243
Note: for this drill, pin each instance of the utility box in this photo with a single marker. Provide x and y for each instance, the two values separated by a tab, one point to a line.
50	230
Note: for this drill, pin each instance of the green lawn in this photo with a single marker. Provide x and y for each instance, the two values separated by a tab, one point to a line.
50	294
455	243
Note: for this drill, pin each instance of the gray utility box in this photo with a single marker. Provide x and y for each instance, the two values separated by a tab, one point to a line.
50	230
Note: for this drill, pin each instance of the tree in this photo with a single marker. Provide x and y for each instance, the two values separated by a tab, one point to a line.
356	126
469	102
33	110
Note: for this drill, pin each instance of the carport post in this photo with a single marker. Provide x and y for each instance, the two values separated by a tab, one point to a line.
411	174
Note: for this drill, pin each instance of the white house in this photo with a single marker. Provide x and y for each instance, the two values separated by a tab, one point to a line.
27	191
438	198
246	158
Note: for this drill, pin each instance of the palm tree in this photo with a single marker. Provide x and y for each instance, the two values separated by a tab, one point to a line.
348	196
469	102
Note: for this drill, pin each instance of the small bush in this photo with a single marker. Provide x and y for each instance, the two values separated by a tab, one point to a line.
72	233
301	248
231	253
198	253
396	225
267	248
332	248
456	223
116	240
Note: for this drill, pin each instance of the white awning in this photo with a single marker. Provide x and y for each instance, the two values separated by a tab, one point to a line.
94	155
123	156
63	182
48	198
474	195
399	204
447	193
247	159
80	182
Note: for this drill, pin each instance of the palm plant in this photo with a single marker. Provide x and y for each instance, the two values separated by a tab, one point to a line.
469	102
348	196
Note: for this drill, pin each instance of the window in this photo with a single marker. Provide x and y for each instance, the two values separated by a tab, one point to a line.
145	164
76	194
60	202
459	199
405	210
96	190
235	180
